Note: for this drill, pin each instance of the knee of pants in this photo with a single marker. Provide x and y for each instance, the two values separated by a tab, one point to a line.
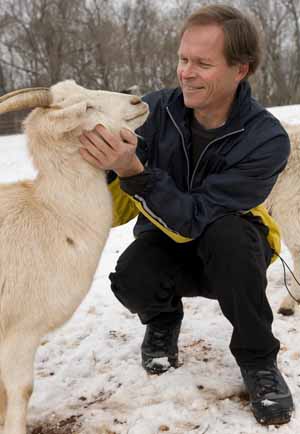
231	238
140	292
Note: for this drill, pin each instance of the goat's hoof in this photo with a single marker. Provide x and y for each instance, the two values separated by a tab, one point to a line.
286	311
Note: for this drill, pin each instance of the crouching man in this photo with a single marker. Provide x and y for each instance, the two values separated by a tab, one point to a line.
207	158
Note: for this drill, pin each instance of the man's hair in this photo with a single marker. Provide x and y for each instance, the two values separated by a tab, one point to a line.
242	42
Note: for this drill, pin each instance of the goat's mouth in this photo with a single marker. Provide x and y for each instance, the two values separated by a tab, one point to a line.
137	115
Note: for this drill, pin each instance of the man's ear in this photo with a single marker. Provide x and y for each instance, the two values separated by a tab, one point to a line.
243	70
67	118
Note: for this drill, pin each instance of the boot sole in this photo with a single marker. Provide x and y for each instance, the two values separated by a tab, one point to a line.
276	419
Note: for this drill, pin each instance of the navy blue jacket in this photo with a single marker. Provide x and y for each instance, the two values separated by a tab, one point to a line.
234	174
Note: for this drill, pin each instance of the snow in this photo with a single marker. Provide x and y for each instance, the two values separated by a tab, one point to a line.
268	403
161	362
88	376
289	114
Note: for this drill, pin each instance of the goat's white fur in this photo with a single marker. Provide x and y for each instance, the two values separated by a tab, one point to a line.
284	205
52	232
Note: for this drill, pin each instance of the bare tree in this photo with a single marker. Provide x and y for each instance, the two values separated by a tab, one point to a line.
278	80
293	70
39	41
112	45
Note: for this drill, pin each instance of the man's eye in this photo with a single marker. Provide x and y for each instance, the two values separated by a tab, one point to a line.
205	65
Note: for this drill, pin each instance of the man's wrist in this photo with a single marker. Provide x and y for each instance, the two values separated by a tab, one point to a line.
135	169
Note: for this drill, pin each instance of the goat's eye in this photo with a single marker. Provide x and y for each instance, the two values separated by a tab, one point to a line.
89	107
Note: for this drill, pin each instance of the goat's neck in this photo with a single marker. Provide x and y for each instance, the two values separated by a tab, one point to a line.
66	184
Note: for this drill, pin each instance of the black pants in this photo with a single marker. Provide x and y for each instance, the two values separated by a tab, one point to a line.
228	263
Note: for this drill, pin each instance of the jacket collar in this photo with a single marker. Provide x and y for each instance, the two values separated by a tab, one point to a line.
237	117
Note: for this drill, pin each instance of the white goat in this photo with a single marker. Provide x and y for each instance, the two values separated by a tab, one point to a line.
284	205
52	229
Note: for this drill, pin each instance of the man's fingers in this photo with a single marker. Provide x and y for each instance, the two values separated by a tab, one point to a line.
107	136
128	136
106	150
93	138
90	158
84	139
95	144
113	140
99	152
101	137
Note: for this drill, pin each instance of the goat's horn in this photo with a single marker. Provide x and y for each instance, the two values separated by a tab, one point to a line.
25	99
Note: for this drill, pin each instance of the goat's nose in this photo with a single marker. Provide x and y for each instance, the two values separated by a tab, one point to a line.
135	100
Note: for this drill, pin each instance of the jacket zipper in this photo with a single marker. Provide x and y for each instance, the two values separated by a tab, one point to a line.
206	148
184	148
190	183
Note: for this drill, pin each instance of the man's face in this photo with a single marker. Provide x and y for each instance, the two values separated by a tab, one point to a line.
207	81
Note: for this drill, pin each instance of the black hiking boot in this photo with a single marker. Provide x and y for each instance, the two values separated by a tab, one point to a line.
270	397
159	347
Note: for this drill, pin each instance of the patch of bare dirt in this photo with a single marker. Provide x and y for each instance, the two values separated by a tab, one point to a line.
71	425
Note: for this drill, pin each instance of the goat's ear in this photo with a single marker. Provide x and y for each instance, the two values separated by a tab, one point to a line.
67	118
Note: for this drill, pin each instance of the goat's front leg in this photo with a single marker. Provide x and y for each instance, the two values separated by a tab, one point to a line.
288	304
2	402
17	358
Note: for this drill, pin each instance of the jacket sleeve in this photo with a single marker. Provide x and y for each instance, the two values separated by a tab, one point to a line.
124	207
236	189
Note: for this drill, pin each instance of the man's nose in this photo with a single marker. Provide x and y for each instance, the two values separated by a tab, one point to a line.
188	71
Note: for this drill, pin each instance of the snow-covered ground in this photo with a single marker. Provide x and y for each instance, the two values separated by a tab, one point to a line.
88	377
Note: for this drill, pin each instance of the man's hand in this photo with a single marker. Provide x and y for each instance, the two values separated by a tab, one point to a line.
108	151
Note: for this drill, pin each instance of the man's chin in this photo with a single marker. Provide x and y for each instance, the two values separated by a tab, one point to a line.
191	102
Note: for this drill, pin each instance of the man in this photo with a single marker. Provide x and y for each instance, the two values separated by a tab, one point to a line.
207	158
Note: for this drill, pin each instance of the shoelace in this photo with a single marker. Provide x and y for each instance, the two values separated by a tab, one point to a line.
266	382
160	338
